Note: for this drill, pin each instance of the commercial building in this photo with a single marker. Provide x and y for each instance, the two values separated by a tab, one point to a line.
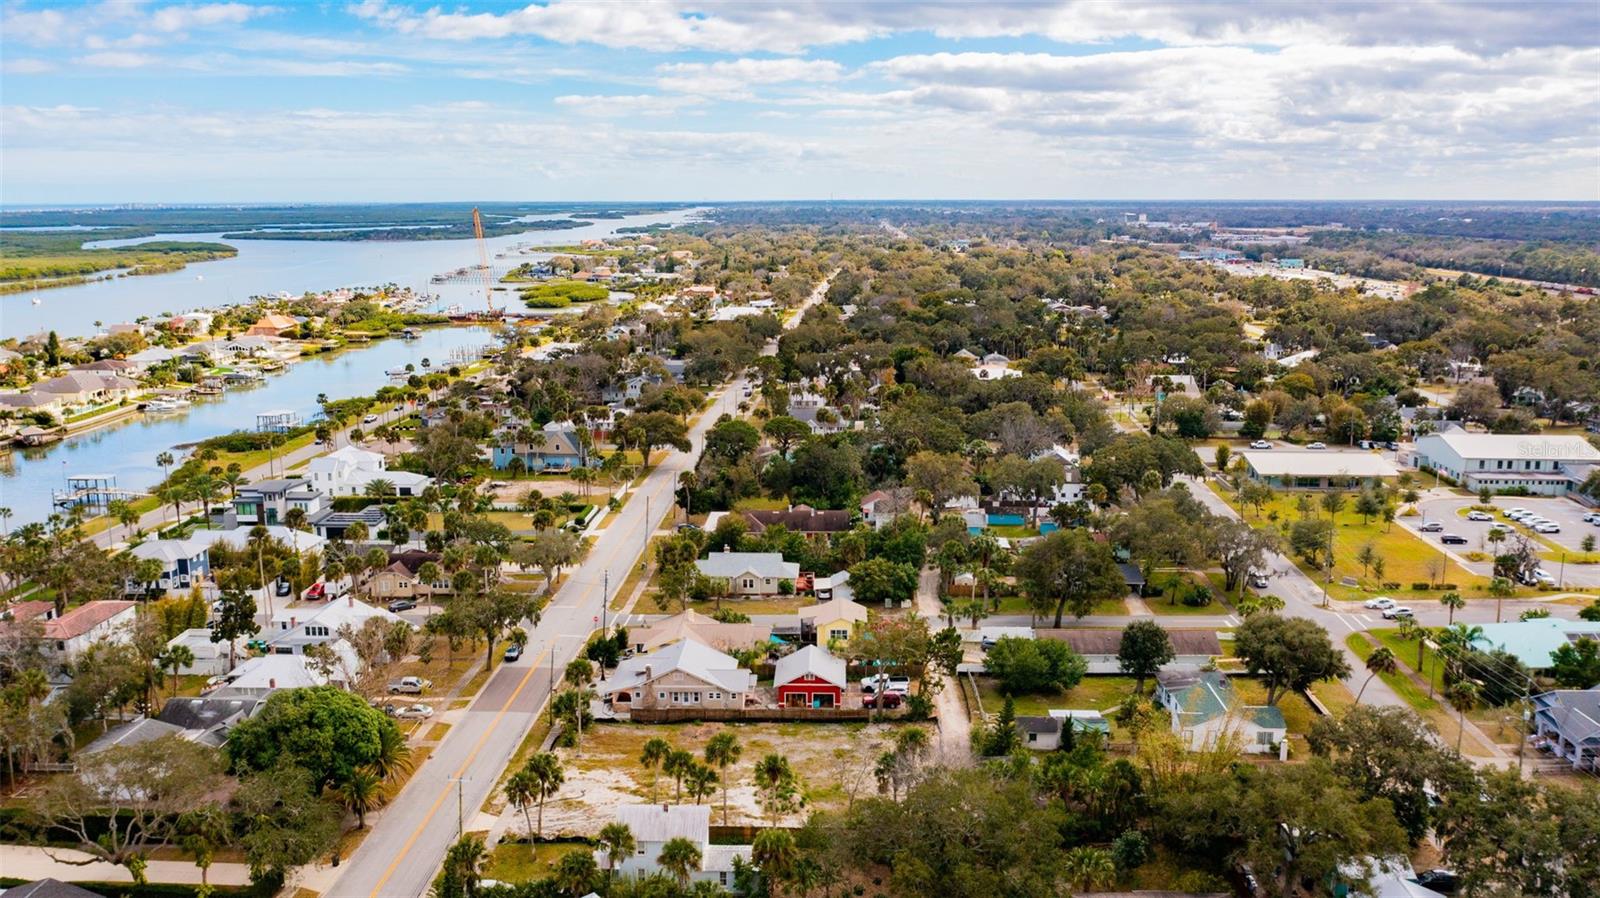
1550	465
1317	469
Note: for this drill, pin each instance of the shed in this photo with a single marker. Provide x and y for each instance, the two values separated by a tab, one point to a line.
810	678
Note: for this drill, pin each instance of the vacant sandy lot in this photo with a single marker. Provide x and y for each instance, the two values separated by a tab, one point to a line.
834	763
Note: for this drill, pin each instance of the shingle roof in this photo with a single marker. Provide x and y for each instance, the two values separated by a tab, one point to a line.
48	888
761	564
1039	724
133	733
800	519
810	660
84	618
1575	712
688	656
1109	641
693	624
205	713
837	609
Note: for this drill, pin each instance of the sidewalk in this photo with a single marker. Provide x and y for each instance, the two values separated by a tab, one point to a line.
28	863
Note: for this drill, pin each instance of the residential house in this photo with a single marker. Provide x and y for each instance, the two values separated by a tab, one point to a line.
1318	469
134	732
267	501
811	678
184	563
208	719
210	658
1040	733
348	472
631	389
30	402
109	366
239	538
292	629
260	677
68	635
814	411
330	524
402	578
694	625
148	358
85	388
1533	641
551	450
749	573
879	507
272	325
835	621
686	674
1193	648
47	888
1568	721
653	826
1204	708
819	525
1544	464
192	323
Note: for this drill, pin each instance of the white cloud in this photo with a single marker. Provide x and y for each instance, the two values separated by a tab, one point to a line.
172	19
119	59
625	105
27	66
734	78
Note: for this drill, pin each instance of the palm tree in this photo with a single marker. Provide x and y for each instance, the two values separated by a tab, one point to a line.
576	873
680	857
1454	602
774	854
775	781
700	780
545	768
1089	869
616	840
652	756
164	461
1464	695
676	765
5	521
1381	660
723	751
362	792
175	657
520	791
394	754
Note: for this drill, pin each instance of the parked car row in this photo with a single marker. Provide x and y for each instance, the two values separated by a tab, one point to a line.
1536	522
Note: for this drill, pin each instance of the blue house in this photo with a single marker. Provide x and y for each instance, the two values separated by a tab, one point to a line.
552	450
184	562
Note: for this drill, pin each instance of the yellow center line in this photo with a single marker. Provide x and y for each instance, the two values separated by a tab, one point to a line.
472	756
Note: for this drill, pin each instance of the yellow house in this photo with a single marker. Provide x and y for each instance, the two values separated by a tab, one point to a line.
835	620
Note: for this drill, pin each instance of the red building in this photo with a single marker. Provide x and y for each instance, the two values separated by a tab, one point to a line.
811	678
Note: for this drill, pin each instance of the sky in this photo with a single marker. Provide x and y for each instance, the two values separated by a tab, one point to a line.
392	100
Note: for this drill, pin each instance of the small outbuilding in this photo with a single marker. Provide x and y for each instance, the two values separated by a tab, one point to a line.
810	678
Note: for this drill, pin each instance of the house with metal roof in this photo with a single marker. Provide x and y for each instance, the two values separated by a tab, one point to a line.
557	449
694	625
686	674
653	826
1204	709
749	573
1568	721
1193	648
184	563
1533	641
810	678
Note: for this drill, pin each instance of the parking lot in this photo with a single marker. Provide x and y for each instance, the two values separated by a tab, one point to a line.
1451	511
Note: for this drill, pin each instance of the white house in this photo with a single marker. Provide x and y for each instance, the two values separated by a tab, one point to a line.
294	628
749	573
67	635
210	658
1204	708
347	471
261	676
268	501
655	825
1551	465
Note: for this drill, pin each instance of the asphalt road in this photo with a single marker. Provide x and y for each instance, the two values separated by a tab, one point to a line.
409	839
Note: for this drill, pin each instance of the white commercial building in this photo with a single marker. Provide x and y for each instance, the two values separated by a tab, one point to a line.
1552	465
1317	469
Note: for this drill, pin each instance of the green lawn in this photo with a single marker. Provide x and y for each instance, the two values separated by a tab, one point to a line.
1018	604
1405	557
1431	710
1093	693
1406	652
515	862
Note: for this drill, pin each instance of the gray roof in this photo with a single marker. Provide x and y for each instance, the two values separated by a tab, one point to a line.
205	713
1049	725
133	733
761	564
276	485
661	822
688	656
1109	641
810	660
48	888
1575	712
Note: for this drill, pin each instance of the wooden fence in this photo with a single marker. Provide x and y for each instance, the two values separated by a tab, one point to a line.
751	715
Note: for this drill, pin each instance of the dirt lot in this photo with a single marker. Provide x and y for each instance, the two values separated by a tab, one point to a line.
834	763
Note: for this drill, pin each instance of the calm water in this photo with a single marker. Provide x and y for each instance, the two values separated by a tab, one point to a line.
266	267
129	449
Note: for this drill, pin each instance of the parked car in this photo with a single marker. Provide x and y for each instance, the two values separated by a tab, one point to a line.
1260	444
414	712
1317	445
1258	580
399	605
1517	513
409	685
282	588
1380	603
1479	516
1398	612
1392	446
1547	527
1431	526
513	652
890	700
1365	444
870	684
1444	881
1592	517
1542	577
1453	539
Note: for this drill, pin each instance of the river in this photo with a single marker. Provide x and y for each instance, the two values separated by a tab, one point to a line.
128	449
268	267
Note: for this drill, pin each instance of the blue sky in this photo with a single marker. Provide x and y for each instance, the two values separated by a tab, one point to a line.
152	101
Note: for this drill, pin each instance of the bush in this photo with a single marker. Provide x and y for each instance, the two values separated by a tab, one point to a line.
1034	665
1391	585
1422	587
1199	597
918	707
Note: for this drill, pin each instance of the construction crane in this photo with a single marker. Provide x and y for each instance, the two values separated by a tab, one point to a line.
483	264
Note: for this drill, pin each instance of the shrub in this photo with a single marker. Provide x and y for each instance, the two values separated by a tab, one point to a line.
1422	587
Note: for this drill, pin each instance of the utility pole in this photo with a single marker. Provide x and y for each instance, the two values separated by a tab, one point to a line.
460	807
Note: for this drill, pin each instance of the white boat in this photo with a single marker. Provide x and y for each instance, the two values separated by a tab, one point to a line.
37	301
398	372
164	405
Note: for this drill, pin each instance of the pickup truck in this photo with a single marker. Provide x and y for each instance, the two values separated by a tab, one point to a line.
410	685
870	685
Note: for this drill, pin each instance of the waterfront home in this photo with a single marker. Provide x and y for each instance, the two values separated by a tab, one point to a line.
86	388
549	451
1204	708
292	629
694	625
192	323
348	471
268	501
109	366
686	674
654	825
272	325
749	573
148	358
184	564
29	402
810	678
